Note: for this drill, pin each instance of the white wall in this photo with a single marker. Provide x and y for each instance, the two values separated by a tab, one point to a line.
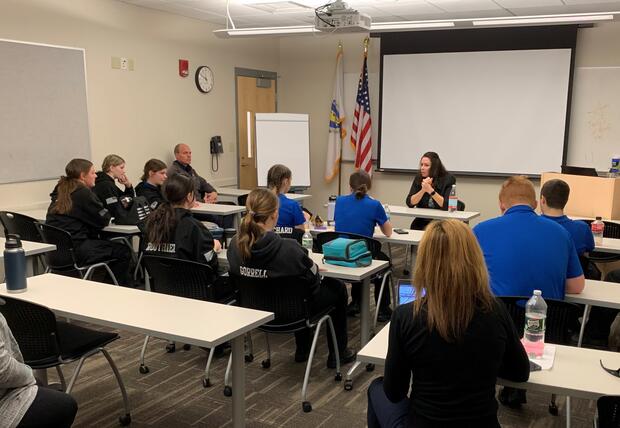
306	73
144	113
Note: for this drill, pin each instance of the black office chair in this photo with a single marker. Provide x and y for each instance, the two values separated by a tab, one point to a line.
608	409
374	247
63	260
288	299
24	226
612	230
182	278
45	342
562	321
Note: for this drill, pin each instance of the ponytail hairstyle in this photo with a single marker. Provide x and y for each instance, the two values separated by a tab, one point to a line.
154	165
360	183
68	183
111	160
276	175
260	205
161	223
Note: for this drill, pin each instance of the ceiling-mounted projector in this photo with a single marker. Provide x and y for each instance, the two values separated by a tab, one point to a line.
337	16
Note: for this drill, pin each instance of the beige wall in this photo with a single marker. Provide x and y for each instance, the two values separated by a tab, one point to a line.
141	114
306	69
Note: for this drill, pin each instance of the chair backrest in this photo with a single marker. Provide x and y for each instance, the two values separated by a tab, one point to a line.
286	297
612	229
374	246
182	278
562	317
608	407
63	258
295	234
460	205
19	224
34	328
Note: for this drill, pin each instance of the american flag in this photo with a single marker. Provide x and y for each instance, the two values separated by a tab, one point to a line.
361	130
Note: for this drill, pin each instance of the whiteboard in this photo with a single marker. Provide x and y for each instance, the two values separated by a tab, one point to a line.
489	112
283	138
43	113
595	117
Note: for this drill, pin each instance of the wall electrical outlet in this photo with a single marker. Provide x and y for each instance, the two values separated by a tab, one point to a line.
124	63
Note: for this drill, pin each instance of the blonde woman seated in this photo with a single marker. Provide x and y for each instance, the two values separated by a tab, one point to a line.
452	342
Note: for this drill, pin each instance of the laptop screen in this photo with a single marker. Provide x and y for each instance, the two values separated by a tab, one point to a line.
406	291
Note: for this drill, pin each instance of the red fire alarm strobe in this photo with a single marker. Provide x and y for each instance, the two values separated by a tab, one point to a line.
183	68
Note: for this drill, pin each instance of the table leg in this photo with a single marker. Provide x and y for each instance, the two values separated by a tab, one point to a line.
238	382
584	320
237	221
29	266
567	412
365	312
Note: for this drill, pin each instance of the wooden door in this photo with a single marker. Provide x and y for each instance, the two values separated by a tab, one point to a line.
254	95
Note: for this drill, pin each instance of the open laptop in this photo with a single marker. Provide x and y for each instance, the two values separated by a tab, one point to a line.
406	291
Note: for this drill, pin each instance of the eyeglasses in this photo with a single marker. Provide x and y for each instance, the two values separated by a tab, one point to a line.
612	372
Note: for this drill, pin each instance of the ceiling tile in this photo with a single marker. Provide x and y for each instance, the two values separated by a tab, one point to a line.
465	6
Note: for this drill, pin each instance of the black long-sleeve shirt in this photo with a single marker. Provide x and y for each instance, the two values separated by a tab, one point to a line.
452	384
442	185
110	196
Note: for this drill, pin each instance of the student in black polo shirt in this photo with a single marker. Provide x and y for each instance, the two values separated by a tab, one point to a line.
155	173
452	342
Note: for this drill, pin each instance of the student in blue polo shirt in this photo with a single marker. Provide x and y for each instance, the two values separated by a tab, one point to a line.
553	198
525	252
290	214
359	213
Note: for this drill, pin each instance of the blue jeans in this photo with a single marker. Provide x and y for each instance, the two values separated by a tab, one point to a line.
382	413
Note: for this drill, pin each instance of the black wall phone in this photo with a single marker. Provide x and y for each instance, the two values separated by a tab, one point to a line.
216	145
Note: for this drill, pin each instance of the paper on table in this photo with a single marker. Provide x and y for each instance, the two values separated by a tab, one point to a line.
546	361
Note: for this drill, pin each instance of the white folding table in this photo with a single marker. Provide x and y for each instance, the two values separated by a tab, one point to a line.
173	318
31	249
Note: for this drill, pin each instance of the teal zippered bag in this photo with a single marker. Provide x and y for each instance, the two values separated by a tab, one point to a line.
347	252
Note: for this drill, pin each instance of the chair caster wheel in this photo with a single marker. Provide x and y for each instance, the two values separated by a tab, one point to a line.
266	364
206	382
553	409
144	369
348	385
370	367
187	347
125	420
338	377
306	406
170	348
228	391
249	358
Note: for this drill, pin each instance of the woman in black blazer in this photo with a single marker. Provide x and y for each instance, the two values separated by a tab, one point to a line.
430	188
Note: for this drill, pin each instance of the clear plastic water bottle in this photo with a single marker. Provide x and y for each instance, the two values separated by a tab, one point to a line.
306	240
535	323
14	265
453	200
598	228
331	210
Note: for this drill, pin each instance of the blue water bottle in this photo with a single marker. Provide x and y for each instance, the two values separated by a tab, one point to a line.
14	265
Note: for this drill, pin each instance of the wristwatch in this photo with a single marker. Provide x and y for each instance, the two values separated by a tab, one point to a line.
432	193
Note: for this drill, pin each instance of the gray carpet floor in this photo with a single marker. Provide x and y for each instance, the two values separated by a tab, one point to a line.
172	394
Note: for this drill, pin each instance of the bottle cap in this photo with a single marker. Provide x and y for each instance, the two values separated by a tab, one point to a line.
13	241
537	293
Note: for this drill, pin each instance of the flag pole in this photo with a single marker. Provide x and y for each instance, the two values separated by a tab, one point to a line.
341	142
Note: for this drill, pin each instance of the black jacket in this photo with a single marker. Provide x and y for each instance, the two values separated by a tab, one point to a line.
452	384
152	194
202	186
192	241
442	185
85	219
109	194
274	257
